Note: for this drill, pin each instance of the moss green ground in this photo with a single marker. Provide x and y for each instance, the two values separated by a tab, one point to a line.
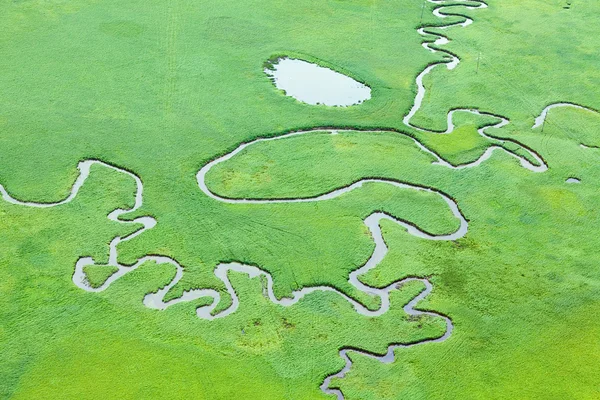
161	88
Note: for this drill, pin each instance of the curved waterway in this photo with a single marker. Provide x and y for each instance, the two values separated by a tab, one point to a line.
157	299
389	356
541	119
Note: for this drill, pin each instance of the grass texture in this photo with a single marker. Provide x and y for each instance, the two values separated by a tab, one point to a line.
162	88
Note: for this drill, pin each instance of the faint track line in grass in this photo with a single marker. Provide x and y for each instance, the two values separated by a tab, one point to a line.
171	34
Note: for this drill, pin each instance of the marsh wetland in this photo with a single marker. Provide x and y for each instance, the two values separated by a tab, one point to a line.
328	199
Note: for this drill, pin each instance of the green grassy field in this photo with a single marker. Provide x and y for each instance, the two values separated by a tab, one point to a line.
162	88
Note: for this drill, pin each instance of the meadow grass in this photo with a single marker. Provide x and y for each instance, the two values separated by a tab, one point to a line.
522	287
161	88
521	57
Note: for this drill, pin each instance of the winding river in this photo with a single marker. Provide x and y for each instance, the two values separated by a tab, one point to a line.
156	300
541	119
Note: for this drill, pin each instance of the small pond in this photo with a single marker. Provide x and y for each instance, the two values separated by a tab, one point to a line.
313	84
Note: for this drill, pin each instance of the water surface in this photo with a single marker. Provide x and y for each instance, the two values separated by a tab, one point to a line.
313	84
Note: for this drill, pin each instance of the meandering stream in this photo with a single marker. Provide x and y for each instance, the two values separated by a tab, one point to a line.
157	300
